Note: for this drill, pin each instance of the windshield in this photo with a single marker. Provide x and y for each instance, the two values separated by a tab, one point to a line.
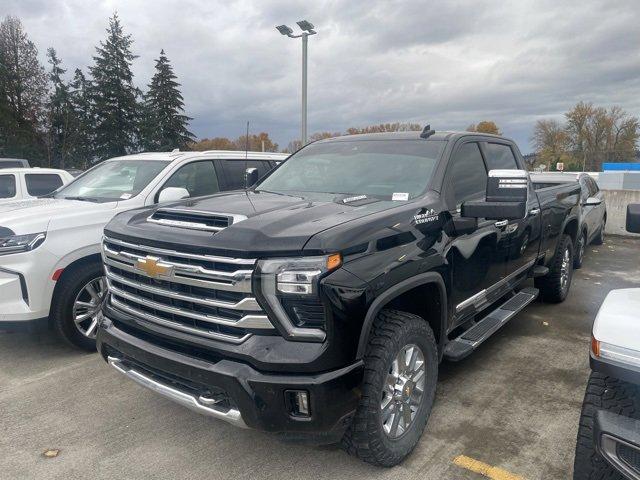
399	169
113	180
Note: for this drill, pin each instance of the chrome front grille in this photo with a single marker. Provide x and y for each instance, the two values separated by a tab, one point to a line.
203	295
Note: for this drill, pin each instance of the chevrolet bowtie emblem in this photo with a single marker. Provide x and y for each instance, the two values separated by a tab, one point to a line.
152	266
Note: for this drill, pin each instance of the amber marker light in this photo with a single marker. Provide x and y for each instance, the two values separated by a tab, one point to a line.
595	346
334	261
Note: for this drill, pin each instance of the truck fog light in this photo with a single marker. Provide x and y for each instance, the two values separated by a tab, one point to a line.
298	403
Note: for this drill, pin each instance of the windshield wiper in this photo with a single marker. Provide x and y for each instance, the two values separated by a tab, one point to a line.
83	199
277	193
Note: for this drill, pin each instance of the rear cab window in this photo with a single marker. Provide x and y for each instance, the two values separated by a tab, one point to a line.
234	170
500	157
7	186
39	184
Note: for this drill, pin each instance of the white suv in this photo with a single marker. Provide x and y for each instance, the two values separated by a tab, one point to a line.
50	263
21	183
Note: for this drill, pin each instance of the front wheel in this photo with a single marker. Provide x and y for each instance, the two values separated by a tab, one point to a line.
401	370
581	246
77	305
599	238
603	393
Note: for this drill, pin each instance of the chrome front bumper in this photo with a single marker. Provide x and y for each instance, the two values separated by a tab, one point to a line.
200	404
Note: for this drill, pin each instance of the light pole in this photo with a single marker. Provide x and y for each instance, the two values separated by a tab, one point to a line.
307	30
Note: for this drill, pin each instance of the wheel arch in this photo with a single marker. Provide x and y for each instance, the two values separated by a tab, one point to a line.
69	269
571	228
403	293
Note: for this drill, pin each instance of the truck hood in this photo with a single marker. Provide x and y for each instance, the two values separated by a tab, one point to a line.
617	320
275	224
41	214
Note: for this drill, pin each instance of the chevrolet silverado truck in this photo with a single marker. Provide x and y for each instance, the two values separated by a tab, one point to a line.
318	304
50	266
608	444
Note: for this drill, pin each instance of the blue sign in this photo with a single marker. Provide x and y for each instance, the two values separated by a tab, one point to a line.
625	167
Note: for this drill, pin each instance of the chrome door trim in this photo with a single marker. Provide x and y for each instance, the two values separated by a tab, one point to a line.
481	297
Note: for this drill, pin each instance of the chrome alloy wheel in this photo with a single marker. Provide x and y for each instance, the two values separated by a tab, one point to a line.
403	391
565	270
86	306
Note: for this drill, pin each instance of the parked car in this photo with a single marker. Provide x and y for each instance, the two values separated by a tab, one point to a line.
319	303
593	210
14	163
24	183
50	263
608	444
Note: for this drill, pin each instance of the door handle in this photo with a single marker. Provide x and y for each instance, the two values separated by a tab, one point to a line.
534	211
502	223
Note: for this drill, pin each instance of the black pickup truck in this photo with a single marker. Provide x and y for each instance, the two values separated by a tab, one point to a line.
318	303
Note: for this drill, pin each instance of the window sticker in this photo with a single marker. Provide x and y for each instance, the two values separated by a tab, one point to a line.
400	196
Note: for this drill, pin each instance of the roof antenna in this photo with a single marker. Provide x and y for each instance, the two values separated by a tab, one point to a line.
246	150
246	145
427	132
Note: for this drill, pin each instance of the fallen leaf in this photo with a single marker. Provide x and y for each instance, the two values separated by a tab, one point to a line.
51	452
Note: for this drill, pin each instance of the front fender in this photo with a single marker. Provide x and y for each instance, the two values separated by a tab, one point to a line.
397	290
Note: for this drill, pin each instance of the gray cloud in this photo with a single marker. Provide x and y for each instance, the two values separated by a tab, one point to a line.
449	63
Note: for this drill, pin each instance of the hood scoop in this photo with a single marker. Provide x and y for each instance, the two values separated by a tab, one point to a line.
194	220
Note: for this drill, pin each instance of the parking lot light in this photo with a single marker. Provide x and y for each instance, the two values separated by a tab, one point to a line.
307	30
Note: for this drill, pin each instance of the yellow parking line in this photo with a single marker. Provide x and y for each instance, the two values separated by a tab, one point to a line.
494	473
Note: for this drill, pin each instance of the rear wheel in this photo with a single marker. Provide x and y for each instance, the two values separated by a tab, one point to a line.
77	305
554	286
401	369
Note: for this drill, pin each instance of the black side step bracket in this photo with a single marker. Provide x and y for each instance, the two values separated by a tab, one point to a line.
472	338
539	271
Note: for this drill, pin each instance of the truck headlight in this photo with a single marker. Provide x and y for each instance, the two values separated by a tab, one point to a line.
21	243
285	281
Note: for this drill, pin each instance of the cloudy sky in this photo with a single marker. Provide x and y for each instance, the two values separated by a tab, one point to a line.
449	63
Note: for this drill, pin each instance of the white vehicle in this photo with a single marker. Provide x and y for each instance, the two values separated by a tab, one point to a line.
50	264
21	183
608	445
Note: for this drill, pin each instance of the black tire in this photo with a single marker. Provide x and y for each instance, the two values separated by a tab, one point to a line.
599	238
391	332
61	314
581	246
551	286
602	393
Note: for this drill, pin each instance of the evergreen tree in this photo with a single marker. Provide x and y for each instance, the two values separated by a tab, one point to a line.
23	85
60	114
81	153
165	126
114	97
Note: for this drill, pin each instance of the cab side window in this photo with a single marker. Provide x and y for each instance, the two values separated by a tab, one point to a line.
7	186
42	183
500	157
467	175
198	178
584	190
